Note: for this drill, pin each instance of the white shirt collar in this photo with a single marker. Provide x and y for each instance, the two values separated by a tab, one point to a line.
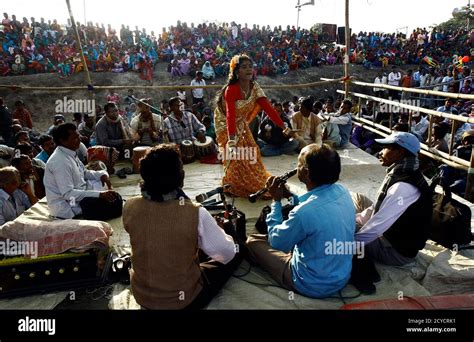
67	151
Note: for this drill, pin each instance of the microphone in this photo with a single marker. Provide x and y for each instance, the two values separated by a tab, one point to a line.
204	196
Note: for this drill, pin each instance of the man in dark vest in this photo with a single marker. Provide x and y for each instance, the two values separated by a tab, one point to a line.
395	227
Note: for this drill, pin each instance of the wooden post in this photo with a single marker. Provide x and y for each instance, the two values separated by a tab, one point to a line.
73	22
453	132
470	179
346	57
430	128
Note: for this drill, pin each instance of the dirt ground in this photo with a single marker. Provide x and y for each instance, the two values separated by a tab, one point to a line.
42	104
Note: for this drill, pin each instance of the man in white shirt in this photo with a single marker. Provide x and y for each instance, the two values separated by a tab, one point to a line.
343	120
380	79
198	93
394	80
419	126
65	179
396	227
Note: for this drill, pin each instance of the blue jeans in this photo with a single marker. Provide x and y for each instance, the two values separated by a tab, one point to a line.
268	150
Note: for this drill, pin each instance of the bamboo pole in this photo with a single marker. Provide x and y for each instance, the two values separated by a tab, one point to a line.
172	87
73	22
411	90
346	57
470	179
414	108
424	152
430	129
451	143
433	151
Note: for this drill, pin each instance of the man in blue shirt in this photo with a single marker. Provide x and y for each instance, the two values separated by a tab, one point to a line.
47	147
303	253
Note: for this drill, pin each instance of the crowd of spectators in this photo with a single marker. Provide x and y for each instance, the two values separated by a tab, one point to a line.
29	47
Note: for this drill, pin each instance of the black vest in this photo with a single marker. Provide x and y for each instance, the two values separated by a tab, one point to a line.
409	233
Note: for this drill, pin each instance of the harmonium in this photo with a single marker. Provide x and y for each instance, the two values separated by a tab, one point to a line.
21	276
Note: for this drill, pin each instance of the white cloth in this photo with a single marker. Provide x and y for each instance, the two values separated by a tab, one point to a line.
198	92
380	80
213	240
399	197
421	127
65	183
394	78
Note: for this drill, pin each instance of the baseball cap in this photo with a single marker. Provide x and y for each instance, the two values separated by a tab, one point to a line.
403	139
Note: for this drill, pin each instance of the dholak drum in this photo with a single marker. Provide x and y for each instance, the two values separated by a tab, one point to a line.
138	153
204	149
187	151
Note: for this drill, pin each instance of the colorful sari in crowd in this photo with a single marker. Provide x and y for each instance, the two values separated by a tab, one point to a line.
244	171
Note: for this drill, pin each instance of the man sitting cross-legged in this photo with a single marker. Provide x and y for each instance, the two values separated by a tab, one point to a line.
299	253
65	180
166	232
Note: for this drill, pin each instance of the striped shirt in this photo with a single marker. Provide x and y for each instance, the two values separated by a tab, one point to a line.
184	129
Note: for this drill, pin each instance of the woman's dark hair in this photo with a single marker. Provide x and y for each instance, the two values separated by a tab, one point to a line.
62	132
233	78
161	170
324	164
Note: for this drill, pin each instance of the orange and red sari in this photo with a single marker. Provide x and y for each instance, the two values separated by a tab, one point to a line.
245	172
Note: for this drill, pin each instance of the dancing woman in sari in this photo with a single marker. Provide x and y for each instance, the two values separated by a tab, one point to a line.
238	104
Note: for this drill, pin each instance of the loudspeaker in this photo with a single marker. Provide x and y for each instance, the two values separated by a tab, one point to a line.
328	32
341	35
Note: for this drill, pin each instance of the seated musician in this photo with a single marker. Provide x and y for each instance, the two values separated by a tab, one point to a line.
299	253
166	231
112	130
183	125
65	179
147	128
13	201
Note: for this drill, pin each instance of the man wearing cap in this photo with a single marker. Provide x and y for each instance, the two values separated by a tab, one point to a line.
57	120
395	228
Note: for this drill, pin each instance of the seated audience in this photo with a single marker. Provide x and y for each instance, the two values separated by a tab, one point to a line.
47	148
13	201
31	178
306	125
272	139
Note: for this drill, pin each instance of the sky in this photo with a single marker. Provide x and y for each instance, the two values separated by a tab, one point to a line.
365	15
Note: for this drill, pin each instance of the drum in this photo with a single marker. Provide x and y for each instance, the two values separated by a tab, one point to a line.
138	153
204	149
187	151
